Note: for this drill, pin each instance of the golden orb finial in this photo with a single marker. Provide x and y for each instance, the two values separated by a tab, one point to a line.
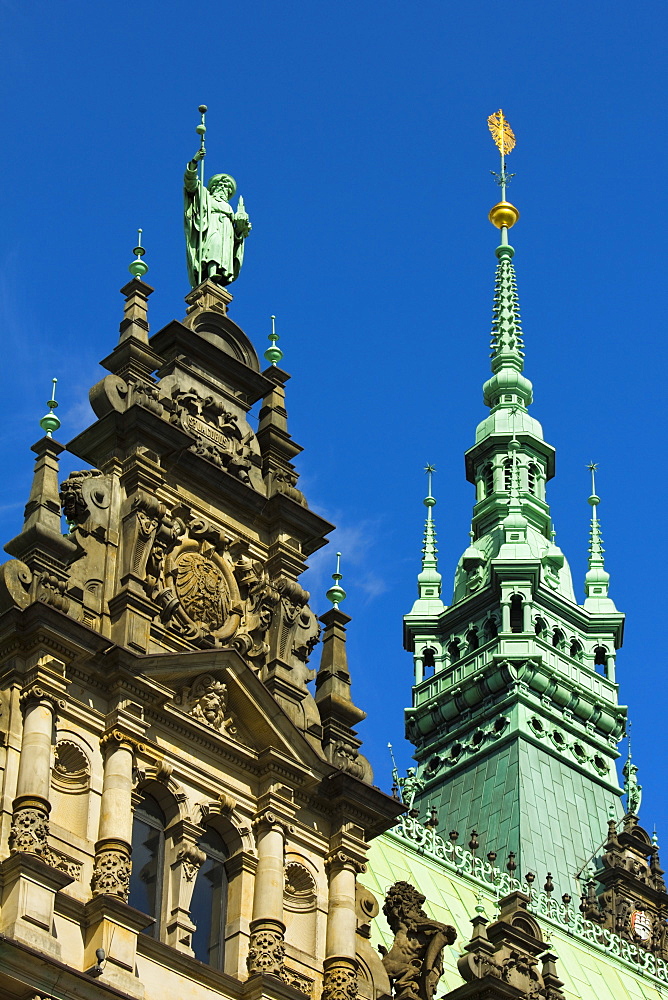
503	215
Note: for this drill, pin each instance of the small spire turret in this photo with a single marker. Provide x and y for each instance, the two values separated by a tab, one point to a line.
429	579
273	354
597	578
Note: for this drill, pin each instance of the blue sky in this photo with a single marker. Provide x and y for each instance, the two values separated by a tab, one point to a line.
357	135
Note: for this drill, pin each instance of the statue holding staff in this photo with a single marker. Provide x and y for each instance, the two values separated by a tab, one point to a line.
214	232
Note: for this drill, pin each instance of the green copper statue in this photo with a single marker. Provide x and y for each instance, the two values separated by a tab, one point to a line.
215	233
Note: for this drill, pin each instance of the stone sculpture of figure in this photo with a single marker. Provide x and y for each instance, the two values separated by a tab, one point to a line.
632	788
215	233
208	701
414	963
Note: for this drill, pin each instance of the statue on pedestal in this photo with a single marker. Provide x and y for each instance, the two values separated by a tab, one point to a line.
214	231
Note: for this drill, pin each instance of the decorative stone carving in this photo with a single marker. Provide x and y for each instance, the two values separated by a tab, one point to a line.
191	859
74	503
414	962
218	437
111	873
340	980
191	578
15	583
295	628
298	981
29	831
206	701
266	951
147	394
51	590
63	863
260	600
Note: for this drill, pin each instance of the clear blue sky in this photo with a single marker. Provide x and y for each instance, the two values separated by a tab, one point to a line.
357	135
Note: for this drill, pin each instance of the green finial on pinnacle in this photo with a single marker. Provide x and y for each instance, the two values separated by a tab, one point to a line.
336	594
138	268
273	353
50	422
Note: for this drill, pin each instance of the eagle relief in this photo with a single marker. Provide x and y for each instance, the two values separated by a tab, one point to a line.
202	590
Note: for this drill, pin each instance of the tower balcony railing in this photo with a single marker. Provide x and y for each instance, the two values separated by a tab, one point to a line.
513	647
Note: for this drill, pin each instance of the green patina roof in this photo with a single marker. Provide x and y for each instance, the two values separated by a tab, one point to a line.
588	972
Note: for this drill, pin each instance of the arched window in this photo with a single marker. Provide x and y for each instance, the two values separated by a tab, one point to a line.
575	649
508	475
454	650
428	662
557	638
148	860
488	479
532	478
491	629
601	660
472	640
516	614
541	626
208	908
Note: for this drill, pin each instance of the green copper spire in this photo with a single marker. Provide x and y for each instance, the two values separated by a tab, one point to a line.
596	577
273	353
336	594
429	579
50	422
138	268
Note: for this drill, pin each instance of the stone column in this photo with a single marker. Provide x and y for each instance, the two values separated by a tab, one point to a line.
419	668
505	615
31	807
111	873
266	947
340	965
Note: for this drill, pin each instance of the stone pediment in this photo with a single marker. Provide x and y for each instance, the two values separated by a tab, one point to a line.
218	690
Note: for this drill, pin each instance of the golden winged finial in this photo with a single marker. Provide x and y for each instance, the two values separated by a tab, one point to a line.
502	134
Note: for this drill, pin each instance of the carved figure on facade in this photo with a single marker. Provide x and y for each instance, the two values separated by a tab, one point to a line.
414	963
218	435
206	701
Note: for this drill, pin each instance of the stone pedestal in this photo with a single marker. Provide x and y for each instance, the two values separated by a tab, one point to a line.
28	891
112	925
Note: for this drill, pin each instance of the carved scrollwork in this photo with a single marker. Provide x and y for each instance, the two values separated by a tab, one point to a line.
260	598
218	437
116	737
36	693
147	394
206	701
342	859
15	583
51	590
295	628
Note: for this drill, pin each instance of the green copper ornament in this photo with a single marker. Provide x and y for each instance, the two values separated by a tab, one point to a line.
273	353
50	422
138	268
336	594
